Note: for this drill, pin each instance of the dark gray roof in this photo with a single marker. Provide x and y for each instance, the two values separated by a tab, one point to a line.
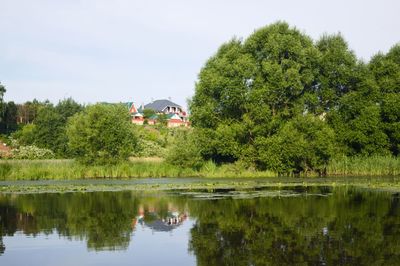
159	105
160	226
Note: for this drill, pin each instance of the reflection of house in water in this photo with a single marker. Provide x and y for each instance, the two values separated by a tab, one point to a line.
160	223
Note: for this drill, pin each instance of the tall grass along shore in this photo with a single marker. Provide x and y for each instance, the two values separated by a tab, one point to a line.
154	167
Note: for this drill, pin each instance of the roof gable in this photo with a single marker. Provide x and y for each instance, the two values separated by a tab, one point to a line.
160	105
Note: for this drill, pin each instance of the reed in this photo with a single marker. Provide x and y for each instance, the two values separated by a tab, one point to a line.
365	166
69	169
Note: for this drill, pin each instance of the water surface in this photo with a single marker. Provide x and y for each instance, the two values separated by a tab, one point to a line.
266	226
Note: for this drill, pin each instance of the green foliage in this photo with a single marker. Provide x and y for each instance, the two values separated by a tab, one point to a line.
147	113
255	99
8	114
304	144
5	170
8	123
49	130
32	153
147	148
364	166
45	125
28	111
25	135
152	141
101	134
162	120
337	65
184	152
2	92
67	108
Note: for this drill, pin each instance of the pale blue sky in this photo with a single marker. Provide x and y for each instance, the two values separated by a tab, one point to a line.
121	50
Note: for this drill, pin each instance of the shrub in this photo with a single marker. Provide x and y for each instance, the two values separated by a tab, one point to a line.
303	144
101	134
184	152
32	153
147	148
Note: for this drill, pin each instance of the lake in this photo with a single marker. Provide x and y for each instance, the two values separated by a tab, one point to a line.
296	225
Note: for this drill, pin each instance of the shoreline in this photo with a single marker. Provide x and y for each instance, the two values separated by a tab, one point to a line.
384	184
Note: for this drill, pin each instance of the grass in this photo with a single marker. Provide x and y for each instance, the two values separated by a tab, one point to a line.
365	166
153	167
135	168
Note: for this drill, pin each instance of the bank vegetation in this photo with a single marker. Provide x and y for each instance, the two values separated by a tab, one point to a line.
276	103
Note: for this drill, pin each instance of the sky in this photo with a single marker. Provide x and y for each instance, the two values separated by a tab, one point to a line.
127	50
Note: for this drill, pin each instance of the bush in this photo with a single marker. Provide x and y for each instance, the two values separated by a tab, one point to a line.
184	152
26	135
32	153
303	144
147	148
101	134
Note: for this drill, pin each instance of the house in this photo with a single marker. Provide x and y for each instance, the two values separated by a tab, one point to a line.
174	114
137	116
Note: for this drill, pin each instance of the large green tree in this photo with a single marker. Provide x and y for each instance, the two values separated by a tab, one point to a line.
280	101
250	89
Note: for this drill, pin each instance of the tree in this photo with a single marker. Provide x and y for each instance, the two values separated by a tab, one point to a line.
28	111
49	130
2	92
67	108
101	134
252	97
251	88
8	122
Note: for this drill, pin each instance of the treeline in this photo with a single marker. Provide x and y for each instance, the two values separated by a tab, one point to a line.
40	125
94	134
280	101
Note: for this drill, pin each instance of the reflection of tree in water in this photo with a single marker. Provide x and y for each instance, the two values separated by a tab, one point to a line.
349	227
103	219
8	215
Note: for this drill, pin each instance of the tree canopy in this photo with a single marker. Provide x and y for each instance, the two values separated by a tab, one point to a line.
281	101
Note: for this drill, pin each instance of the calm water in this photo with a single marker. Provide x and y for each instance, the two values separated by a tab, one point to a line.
317	226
